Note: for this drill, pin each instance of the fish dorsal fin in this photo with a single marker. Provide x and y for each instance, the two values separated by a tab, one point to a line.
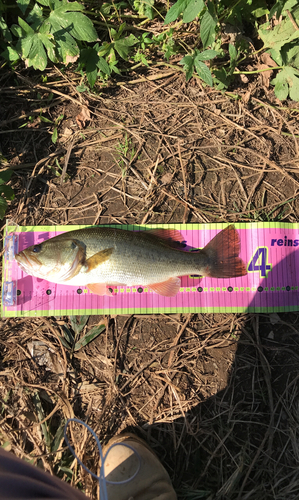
99	288
98	258
167	288
172	237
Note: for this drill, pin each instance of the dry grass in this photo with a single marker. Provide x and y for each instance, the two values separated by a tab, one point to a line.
216	396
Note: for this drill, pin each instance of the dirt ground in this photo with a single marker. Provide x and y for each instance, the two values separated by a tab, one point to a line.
215	395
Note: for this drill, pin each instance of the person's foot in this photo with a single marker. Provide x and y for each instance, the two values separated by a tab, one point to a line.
150	480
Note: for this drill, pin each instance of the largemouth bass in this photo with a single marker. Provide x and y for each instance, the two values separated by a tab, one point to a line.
100	257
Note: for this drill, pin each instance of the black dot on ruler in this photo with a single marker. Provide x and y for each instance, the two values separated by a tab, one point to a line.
140	290
230	289
48	292
79	291
110	290
199	289
260	289
288	288
19	292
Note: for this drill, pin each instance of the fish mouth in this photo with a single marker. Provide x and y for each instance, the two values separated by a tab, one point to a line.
26	264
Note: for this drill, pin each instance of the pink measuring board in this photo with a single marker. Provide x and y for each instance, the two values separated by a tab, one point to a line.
270	251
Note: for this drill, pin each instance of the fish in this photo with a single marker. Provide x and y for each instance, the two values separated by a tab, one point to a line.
101	257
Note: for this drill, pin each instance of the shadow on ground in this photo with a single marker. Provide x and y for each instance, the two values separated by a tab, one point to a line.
242	443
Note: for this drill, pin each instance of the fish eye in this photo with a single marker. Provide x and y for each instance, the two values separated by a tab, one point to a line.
37	248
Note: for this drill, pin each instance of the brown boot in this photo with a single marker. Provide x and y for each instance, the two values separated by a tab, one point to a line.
151	481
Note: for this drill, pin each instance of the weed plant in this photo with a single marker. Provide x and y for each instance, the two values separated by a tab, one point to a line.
117	37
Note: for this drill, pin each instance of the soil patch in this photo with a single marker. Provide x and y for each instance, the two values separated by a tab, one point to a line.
216	396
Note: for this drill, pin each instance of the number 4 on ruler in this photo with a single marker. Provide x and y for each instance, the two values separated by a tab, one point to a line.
259	262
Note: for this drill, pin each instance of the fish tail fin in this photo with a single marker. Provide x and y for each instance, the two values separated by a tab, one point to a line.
223	255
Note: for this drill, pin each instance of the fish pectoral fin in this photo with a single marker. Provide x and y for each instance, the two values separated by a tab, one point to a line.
98	258
167	288
172	237
99	288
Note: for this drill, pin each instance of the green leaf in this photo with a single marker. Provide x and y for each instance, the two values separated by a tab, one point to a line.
7	192
105	9
79	26
5	31
81	88
289	5
232	52
54	136
139	57
48	43
294	89
192	10
70	6
67	471
222	79
206	55
144	8
59	436
290	54
204	72
25	26
3	207
259	12
175	11
68	335
10	54
65	25
26	44
5	176
207	29
281	90
104	49
113	32
45	120
78	322
123	45
23	4
276	56
46	3
287	82
64	342
66	45
91	335
92	62
103	66
37	56
89	59
92	76
73	23
282	33
277	9
16	30
35	17
118	34
188	63
113	67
